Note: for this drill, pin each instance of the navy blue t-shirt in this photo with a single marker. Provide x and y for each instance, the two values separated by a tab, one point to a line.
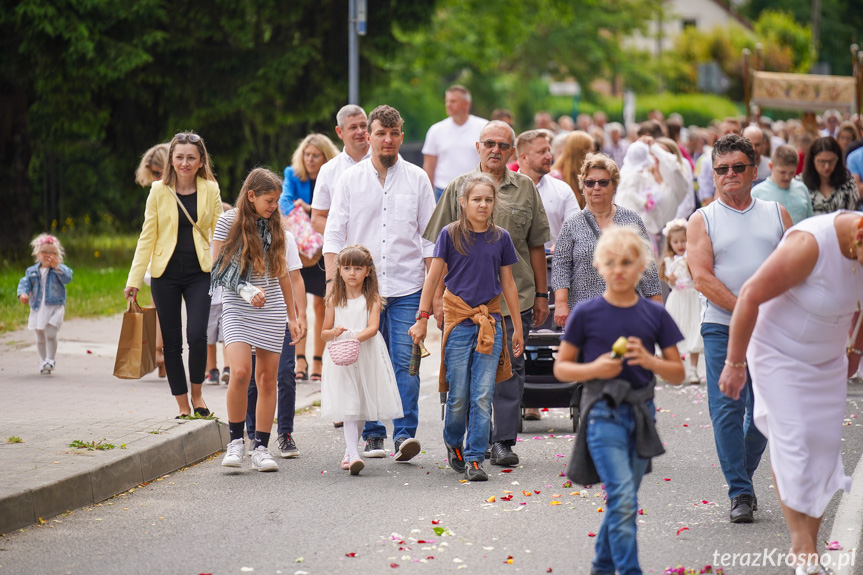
475	278
595	325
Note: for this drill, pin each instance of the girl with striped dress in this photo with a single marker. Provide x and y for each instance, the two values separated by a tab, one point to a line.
256	303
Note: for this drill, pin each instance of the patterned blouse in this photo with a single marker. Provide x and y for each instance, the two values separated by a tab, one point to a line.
844	197
572	265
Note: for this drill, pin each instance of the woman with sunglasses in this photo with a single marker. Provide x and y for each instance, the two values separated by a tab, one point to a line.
181	214
830	185
573	275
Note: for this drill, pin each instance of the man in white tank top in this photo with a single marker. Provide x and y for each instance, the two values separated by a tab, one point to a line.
726	242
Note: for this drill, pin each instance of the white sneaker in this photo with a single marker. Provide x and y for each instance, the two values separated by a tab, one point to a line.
47	366
693	375
234	454
262	460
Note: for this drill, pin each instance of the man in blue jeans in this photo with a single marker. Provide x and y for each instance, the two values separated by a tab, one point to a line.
384	204
726	242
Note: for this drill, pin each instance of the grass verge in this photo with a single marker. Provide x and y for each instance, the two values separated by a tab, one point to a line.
100	265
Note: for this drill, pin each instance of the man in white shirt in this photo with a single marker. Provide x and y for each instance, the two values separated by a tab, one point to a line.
351	127
533	150
384	203
534	161
617	144
450	145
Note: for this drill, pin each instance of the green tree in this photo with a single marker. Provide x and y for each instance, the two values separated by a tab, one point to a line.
93	83
841	26
503	51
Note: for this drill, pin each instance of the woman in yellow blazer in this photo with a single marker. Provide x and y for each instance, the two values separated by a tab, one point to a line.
180	260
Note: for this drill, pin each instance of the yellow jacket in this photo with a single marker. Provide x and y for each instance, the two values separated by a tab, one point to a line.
159	232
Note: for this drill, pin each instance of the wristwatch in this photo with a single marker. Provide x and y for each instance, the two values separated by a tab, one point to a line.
422	314
542	294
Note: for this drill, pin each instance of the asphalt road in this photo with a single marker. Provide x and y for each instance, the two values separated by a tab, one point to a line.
313	518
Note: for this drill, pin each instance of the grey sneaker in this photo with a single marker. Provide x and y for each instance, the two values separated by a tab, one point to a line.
226	375
213	377
262	460
406	449
455	456
287	447
234	454
475	472
374	448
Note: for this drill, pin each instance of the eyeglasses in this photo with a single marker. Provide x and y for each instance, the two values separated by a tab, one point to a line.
183	138
504	146
593	183
826	163
736	168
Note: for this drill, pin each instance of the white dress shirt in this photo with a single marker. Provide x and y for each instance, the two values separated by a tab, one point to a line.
559	202
328	175
388	221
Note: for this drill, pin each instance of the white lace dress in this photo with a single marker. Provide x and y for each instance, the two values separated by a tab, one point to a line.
684	306
365	390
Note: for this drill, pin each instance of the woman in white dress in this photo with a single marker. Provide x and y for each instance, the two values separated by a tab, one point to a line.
808	291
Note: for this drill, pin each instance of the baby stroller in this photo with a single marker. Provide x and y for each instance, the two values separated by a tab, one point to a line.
541	388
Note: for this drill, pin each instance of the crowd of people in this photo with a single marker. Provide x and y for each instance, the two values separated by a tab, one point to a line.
723	241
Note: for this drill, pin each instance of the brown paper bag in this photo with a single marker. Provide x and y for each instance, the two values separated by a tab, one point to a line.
136	351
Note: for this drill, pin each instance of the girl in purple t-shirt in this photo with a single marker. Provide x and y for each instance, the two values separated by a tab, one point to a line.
620	258
478	257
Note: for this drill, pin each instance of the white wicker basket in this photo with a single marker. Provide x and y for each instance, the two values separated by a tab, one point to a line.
345	351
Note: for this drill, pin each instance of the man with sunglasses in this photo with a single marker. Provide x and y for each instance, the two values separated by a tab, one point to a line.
518	210
726	242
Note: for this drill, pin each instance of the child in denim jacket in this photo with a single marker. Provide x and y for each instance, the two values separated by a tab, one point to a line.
43	287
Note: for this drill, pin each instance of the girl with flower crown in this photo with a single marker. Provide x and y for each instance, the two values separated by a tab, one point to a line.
682	303
43	287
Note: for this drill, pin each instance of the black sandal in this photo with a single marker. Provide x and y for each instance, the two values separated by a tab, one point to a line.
316	376
302	375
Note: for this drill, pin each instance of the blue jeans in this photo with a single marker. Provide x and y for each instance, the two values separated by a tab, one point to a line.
611	441
286	391
397	317
739	444
470	376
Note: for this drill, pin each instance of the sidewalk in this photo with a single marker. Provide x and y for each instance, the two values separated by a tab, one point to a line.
42	476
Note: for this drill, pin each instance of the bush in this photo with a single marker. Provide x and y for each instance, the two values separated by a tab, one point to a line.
696	109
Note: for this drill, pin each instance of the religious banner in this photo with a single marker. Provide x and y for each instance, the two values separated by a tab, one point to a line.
809	92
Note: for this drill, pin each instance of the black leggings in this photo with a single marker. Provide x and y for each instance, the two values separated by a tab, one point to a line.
183	280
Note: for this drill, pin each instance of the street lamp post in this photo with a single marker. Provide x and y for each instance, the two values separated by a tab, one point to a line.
356	28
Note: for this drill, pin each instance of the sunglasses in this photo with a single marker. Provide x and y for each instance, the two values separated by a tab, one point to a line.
593	183
182	138
502	145
736	168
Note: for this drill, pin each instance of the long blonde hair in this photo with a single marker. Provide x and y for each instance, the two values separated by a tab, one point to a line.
354	255
576	147
321	142
243	237
460	231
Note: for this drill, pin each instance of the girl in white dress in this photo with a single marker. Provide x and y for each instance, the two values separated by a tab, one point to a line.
43	287
365	390
682	303
791	324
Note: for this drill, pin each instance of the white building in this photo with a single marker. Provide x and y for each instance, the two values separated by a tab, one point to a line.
681	14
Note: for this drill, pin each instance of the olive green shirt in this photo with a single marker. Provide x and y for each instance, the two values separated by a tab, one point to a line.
518	210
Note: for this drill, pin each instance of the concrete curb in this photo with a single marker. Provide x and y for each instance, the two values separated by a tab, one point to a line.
49	491
56	490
